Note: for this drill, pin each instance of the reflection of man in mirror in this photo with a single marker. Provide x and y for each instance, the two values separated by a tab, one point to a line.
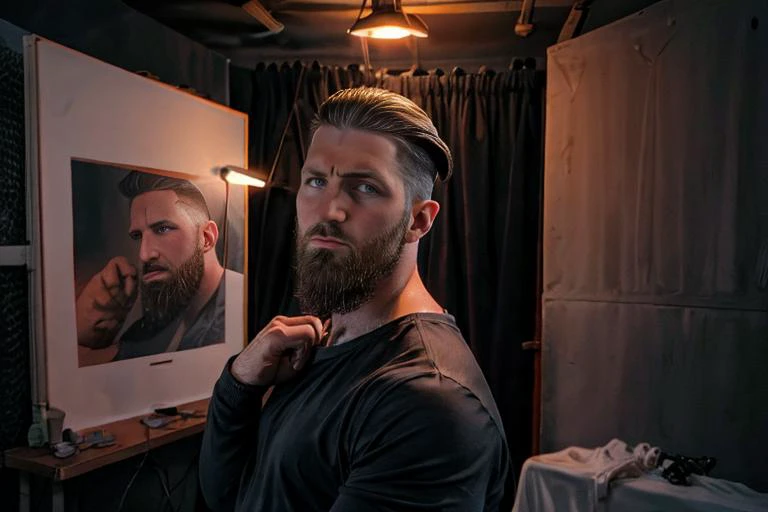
179	278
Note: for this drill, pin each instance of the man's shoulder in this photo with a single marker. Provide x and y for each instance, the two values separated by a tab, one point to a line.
449	355
434	332
422	366
433	378
431	396
414	414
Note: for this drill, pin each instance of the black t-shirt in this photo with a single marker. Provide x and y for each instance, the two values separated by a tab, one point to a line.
399	419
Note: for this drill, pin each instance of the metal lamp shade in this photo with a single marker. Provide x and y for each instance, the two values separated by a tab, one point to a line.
386	22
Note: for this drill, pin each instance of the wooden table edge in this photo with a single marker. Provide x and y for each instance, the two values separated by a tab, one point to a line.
131	439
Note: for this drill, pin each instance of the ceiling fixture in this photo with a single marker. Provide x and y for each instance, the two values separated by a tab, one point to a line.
258	11
524	27
388	21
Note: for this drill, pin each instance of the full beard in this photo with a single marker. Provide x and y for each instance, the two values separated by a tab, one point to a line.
328	283
163	301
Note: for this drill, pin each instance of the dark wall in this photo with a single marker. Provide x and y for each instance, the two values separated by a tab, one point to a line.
114	33
15	401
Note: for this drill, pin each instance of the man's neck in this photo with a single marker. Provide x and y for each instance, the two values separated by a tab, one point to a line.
403	293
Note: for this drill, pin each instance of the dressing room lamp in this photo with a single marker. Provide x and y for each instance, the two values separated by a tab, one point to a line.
240	176
388	21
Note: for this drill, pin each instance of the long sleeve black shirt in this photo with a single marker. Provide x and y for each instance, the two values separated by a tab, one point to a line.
399	419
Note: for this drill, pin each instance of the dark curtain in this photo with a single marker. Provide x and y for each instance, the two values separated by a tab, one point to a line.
481	258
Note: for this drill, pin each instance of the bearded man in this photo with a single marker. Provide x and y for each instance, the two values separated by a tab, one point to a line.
179	280
376	402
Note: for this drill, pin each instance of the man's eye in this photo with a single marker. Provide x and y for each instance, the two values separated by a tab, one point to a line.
367	189
135	235
162	229
315	182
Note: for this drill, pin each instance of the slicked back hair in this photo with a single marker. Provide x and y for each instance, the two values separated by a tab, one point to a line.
422	154
137	183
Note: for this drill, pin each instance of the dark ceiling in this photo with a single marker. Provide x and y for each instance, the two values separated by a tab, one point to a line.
464	33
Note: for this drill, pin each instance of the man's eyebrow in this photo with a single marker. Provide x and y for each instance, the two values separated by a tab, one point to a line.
355	174
360	173
162	222
155	225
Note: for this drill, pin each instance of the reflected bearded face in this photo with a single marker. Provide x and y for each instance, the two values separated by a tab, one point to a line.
170	254
331	281
162	300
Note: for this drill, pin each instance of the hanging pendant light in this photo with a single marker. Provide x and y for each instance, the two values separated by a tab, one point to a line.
388	21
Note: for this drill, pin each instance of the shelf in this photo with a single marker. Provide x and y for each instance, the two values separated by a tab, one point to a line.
132	438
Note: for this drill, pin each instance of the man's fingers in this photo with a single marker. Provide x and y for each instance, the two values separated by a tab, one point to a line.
292	337
318	325
117	298
294	320
315	322
325	338
280	350
130	286
118	279
124	267
107	305
293	343
117	271
300	358
110	276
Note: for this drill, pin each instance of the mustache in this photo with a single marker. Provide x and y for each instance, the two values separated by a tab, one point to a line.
329	229
152	267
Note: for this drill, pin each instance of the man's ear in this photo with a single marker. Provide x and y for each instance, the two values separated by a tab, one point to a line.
210	232
423	214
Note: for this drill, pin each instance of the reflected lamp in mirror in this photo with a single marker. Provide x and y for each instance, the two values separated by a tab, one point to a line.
387	20
240	176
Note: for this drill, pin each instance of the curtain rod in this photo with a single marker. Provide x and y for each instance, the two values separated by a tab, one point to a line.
515	64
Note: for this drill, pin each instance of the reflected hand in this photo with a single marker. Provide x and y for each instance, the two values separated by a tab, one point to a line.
279	351
105	302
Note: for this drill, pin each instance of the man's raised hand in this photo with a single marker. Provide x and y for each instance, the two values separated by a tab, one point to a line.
279	351
105	302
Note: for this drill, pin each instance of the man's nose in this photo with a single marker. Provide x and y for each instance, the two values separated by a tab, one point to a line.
147	250
334	207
